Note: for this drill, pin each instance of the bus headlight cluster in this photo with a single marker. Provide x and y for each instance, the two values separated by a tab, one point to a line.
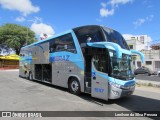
126	87
114	84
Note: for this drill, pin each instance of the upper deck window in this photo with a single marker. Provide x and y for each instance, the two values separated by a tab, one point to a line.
89	34
62	43
114	36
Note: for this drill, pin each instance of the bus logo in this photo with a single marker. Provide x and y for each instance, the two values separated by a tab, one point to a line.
60	58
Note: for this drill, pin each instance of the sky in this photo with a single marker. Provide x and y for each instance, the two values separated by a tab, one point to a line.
129	17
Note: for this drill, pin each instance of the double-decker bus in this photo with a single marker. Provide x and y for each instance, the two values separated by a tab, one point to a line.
91	59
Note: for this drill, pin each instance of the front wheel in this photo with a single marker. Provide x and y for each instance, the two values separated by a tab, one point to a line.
74	86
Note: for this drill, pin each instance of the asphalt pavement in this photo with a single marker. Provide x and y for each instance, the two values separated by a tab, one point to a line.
23	95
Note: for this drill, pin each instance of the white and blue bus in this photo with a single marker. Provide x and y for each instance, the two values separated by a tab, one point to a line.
91	59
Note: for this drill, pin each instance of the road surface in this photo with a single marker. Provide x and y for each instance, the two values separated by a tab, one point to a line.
17	94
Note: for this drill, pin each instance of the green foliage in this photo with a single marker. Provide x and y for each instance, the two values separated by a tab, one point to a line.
16	36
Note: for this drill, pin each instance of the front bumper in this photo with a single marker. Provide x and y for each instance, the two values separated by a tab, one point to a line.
115	92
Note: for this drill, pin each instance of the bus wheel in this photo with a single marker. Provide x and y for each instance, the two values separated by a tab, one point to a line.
74	86
30	76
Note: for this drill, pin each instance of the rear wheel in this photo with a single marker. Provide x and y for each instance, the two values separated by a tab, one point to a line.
74	86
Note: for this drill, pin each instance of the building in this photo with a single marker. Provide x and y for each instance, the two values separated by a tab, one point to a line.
151	51
8	58
138	42
152	59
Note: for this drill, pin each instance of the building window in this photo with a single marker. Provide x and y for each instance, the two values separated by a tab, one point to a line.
148	62
132	38
138	63
157	64
131	46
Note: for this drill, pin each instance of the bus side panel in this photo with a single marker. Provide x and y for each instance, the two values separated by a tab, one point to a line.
59	76
40	53
62	71
54	74
21	71
25	62
33	70
79	74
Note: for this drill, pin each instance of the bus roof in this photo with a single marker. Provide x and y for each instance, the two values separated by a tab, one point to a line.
57	35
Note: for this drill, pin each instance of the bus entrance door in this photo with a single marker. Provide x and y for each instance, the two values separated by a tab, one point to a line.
99	84
99	81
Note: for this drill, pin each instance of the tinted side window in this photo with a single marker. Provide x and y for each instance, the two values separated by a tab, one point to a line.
24	52
63	43
52	45
21	53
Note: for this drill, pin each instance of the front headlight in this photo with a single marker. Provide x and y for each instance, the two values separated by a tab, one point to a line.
124	87
121	86
114	84
127	87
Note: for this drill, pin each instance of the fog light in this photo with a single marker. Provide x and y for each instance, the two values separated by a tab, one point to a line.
115	93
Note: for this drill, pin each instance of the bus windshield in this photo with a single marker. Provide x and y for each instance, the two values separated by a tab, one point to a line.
121	68
116	37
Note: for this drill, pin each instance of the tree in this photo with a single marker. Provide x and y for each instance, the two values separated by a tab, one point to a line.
16	36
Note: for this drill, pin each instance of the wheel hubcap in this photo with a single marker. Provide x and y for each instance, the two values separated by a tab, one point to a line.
74	86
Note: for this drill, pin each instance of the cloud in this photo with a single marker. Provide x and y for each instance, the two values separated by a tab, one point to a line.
117	2
150	18
36	20
23	6
40	28
20	19
141	21
105	12
103	4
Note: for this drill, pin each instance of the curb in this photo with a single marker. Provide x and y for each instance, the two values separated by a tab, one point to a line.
148	83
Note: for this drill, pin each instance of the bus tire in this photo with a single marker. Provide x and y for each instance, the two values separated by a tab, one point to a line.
30	76
74	86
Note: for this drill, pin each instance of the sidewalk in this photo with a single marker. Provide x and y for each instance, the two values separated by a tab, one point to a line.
148	83
9	69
